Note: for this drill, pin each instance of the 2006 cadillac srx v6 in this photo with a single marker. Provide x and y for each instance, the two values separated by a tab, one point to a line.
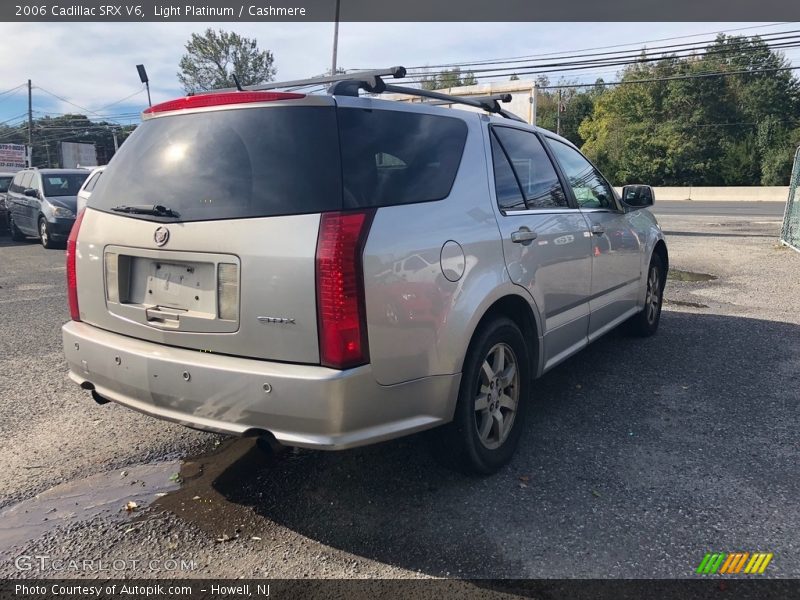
339	269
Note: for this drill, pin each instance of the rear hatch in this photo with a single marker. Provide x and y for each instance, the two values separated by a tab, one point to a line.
226	263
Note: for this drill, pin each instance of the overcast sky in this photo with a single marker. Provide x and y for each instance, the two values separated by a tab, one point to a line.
93	64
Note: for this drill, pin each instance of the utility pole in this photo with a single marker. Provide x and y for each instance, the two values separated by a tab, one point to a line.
335	38
30	124
558	114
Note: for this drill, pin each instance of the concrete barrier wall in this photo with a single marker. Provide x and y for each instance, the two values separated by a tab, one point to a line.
778	193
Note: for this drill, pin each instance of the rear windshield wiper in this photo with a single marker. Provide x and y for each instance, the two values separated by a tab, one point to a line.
157	210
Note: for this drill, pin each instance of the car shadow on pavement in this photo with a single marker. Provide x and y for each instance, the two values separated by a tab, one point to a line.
638	456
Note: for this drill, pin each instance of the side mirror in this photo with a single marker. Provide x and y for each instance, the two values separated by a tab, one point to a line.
638	196
31	193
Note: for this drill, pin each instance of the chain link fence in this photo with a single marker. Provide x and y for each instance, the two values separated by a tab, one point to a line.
790	232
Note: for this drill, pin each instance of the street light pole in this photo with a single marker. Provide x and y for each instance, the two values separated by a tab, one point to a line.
335	38
146	81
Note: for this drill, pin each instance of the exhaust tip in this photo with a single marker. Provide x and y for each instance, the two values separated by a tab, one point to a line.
98	398
87	385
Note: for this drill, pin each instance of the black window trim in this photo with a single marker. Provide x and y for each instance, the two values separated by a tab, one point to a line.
552	138
565	187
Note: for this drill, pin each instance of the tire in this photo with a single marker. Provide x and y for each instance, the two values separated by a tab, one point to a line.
44	234
645	323
14	231
478	440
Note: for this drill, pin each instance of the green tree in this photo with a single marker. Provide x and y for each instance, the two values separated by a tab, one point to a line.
690	127
213	58
49	132
447	79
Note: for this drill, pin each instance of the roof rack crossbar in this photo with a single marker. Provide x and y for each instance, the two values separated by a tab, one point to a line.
505	98
489	104
394	72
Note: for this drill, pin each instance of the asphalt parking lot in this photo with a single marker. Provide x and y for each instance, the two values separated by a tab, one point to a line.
639	457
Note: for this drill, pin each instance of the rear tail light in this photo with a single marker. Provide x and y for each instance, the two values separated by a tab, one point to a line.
228	291
72	278
341	311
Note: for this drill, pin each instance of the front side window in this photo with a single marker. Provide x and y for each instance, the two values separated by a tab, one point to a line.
25	181
535	173
590	188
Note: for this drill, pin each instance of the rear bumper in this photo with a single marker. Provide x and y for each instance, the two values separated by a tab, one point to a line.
307	406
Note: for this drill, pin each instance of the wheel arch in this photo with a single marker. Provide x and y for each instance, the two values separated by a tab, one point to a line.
660	249
522	313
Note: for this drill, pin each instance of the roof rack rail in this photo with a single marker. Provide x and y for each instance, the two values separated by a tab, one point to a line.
365	77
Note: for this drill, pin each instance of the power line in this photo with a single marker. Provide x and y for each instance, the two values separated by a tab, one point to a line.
613	61
671	78
636	57
551	54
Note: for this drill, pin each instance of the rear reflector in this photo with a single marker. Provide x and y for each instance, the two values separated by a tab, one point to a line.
228	291
72	277
206	100
341	311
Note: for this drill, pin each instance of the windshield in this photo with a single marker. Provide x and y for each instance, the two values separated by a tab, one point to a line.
4	183
63	184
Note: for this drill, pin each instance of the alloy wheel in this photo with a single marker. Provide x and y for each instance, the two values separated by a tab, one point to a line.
498	396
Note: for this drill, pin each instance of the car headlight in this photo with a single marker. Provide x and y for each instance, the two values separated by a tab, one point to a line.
62	213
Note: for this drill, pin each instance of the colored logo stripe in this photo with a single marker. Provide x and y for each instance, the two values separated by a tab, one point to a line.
724	563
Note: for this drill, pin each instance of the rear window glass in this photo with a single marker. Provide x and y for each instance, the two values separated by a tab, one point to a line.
260	162
227	164
65	184
4	183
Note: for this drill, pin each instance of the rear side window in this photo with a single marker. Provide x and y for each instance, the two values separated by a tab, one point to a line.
92	182
535	172
4	183
392	157
509	195
228	164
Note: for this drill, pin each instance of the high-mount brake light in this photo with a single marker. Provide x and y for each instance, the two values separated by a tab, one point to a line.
341	310
206	100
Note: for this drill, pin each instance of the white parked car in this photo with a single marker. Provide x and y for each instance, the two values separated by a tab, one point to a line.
88	186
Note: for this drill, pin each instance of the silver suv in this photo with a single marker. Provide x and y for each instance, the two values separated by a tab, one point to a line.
337	270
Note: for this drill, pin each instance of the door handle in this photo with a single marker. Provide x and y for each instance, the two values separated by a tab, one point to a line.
598	229
523	236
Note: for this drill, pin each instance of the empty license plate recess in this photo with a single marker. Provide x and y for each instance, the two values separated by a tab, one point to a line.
173	291
186	286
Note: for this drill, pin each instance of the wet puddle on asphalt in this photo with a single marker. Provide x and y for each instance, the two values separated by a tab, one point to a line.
193	489
104	494
689	276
